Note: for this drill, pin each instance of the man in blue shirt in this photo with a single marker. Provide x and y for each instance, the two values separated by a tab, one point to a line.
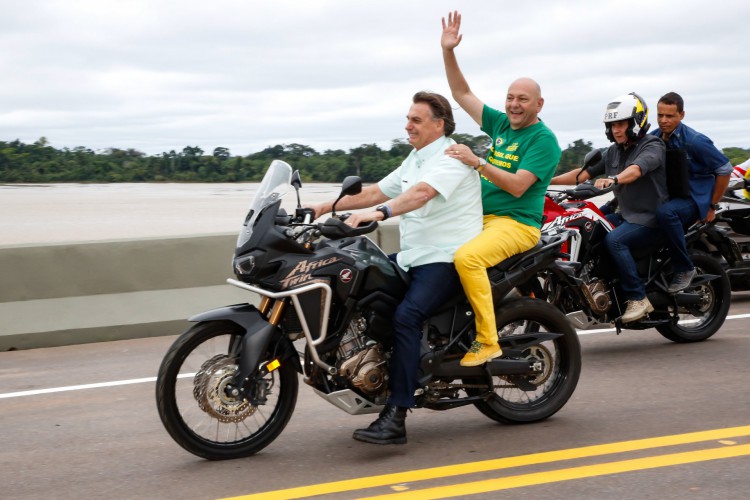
708	176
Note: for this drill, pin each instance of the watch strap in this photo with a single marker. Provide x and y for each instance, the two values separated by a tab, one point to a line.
385	210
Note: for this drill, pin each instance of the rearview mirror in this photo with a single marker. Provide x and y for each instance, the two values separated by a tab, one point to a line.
352	185
592	158
297	183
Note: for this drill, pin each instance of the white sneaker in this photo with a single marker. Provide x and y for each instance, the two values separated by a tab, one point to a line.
637	309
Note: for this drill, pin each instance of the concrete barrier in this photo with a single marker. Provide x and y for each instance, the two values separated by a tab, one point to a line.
74	293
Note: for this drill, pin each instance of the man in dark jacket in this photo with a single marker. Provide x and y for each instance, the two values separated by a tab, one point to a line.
635	165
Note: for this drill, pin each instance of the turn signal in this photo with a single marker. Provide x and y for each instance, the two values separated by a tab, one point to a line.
273	365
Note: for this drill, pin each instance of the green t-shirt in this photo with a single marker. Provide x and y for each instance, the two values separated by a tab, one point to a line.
533	148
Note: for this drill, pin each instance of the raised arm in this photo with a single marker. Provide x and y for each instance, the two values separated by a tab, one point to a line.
459	86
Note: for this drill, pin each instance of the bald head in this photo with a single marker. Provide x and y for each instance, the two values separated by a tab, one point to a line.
523	103
527	85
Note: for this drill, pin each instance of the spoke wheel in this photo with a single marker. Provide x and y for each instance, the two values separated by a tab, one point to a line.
542	394
702	320
197	410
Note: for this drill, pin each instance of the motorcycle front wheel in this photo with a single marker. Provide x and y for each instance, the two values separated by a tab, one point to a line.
703	320
540	395
202	417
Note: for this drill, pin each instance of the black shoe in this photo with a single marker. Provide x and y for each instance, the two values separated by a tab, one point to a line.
389	428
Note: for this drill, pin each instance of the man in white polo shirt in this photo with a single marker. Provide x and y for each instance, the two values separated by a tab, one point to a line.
439	202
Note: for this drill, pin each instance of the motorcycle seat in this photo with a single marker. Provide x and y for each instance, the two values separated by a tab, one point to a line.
514	259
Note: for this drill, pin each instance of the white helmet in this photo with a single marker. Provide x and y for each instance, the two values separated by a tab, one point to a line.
627	107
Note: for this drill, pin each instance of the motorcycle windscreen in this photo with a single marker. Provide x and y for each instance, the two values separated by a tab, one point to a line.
276	182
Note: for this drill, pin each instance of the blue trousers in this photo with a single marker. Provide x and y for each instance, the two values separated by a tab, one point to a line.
619	243
431	287
674	217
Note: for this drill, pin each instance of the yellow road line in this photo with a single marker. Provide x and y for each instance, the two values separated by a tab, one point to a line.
499	463
555	476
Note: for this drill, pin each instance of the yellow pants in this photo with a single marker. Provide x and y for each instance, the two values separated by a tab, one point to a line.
501	237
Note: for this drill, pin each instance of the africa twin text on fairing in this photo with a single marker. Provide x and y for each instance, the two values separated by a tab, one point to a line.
227	387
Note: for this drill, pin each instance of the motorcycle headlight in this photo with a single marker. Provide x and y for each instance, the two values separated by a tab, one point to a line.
244	265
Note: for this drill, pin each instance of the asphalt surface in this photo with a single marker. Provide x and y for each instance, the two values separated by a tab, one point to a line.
81	422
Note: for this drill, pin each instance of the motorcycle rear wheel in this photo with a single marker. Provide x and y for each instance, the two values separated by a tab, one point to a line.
199	415
560	358
716	301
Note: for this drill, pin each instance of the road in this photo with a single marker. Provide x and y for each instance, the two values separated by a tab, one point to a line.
80	422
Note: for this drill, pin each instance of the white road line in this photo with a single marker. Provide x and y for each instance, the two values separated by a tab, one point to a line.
605	330
153	379
84	386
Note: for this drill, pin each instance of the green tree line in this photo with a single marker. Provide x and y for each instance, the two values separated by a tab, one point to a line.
40	162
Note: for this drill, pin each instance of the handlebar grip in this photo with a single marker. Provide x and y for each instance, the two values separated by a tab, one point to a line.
335	228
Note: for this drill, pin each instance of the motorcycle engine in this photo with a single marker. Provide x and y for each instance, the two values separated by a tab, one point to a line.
363	361
594	289
597	296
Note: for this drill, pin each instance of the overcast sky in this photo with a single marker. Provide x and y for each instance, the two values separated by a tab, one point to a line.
158	75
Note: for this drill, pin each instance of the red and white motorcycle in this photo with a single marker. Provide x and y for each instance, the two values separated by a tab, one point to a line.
584	284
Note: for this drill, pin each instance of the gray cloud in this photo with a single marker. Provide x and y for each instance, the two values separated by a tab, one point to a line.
161	75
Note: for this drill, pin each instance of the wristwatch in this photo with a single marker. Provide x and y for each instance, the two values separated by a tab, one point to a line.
385	210
614	179
714	205
480	165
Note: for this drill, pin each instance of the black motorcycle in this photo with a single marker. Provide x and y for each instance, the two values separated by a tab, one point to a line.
585	284
227	387
732	244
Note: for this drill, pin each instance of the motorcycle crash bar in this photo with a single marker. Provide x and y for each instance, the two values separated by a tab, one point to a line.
293	294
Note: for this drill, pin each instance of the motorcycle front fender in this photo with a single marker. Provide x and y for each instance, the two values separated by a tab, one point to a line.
255	343
244	315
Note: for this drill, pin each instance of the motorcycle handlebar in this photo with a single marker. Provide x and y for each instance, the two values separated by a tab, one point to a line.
335	228
582	191
588	190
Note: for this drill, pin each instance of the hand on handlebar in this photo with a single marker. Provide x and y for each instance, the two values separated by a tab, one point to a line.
357	219
604	183
319	210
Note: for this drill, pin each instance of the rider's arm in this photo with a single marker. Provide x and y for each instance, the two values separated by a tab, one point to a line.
649	157
370	196
460	89
413	198
630	174
569	177
515	184
538	161
722	181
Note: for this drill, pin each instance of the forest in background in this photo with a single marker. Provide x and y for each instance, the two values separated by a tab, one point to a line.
41	163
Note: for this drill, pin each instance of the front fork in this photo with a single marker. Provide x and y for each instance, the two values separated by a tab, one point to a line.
252	346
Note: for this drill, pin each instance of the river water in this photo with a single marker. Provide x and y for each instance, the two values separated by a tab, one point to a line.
55	213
